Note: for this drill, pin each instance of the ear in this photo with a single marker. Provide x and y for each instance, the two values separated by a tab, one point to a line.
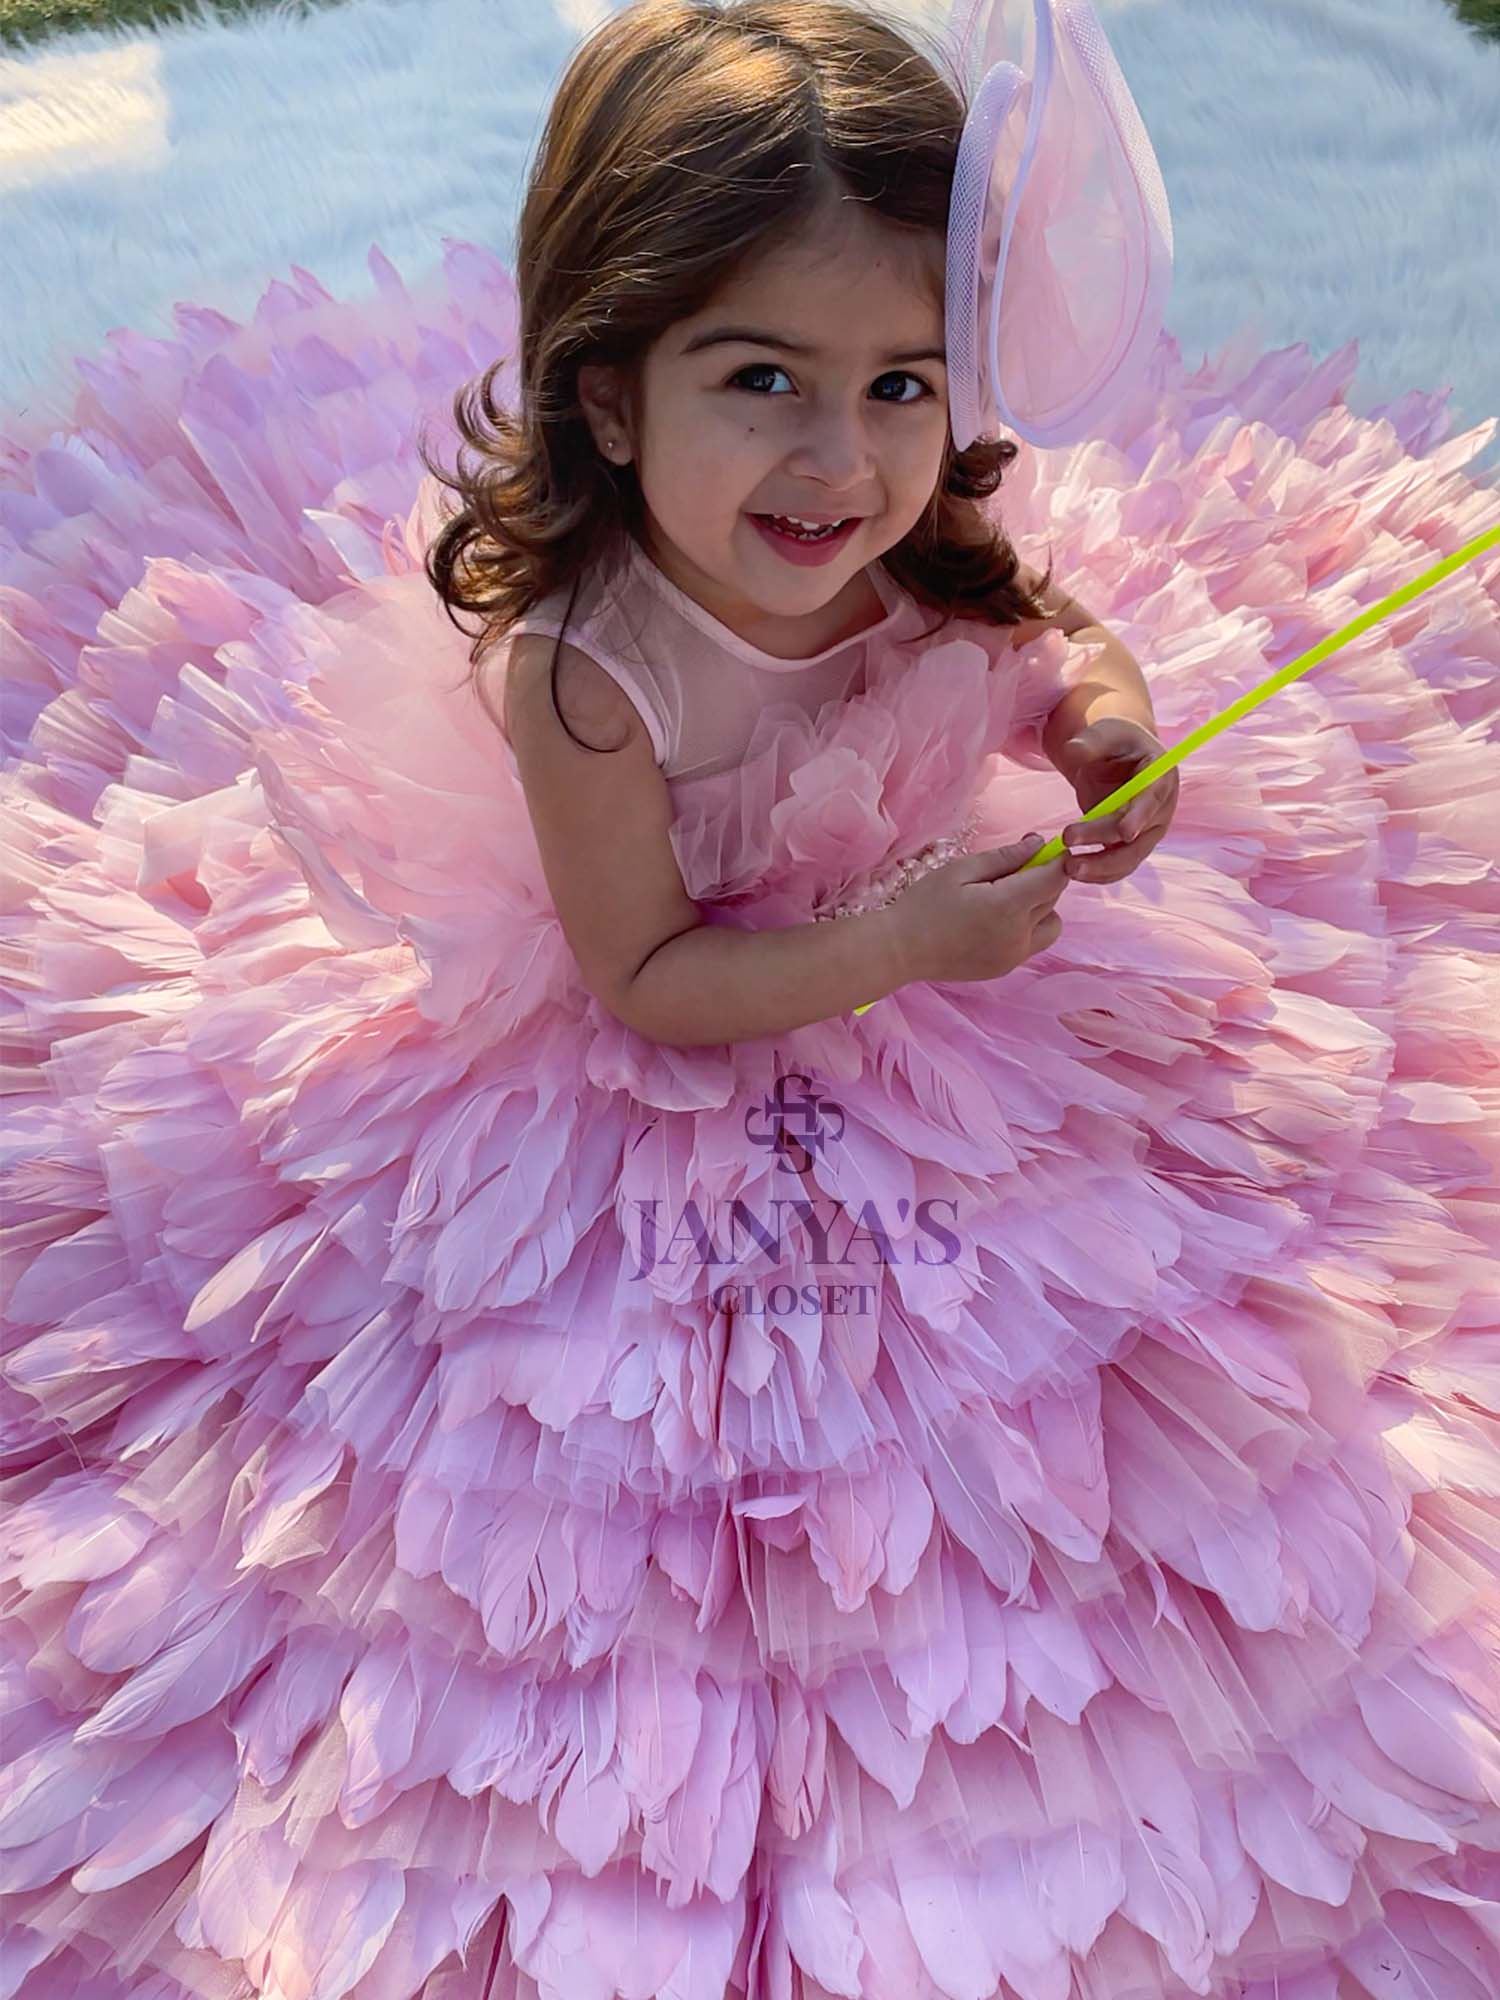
606	407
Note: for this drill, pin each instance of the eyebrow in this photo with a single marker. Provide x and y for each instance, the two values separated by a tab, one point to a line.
752	336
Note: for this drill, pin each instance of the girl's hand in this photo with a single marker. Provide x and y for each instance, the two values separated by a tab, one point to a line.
977	917
1096	762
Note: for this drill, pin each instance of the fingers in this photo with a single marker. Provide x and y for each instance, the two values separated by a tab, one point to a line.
1006	867
1150	808
1107	849
1045	883
1112	828
992	862
1033	890
1111	866
1116	860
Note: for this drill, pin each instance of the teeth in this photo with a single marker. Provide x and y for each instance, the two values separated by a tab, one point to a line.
808	527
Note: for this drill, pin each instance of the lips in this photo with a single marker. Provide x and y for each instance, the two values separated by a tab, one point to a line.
804	549
793	524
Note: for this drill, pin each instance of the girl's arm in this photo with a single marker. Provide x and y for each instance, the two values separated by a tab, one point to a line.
1116	685
601	820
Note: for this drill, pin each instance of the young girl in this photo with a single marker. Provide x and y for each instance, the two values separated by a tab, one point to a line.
552	1459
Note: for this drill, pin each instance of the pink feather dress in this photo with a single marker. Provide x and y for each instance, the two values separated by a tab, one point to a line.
993	1498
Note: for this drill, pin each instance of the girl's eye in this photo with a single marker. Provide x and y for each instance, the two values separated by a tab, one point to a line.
895	375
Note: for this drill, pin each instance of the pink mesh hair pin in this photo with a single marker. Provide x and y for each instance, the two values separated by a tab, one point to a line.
1058	206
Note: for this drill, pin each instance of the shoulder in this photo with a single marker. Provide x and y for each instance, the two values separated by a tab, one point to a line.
580	694
1026	629
1000	633
1062	614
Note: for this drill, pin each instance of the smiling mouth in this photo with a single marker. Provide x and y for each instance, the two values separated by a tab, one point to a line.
787	524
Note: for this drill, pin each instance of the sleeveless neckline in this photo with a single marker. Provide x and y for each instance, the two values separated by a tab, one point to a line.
886	589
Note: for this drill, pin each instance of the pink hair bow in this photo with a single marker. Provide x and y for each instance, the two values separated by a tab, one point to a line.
1059	257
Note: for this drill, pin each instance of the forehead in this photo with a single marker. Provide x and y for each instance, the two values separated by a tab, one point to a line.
842	253
875	297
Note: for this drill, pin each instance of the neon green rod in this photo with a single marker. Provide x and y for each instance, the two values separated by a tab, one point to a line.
1122	794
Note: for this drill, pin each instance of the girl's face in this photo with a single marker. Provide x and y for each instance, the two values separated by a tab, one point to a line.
813	416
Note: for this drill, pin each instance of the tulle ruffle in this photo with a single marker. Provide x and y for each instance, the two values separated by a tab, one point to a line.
482	1520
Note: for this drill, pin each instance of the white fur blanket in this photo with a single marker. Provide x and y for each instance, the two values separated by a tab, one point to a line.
1331	167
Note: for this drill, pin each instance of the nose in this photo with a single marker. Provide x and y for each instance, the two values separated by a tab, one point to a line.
835	452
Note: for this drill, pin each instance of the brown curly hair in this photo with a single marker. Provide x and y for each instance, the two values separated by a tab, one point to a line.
686	139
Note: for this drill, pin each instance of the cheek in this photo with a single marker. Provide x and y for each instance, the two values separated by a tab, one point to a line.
934	432
711	445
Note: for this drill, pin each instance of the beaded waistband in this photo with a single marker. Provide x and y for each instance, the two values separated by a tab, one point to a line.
887	883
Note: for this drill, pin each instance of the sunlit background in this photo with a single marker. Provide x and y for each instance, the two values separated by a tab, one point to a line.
151	151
